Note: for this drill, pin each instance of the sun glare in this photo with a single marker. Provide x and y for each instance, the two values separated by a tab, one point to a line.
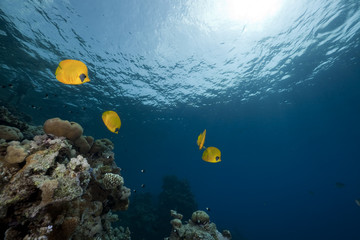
251	11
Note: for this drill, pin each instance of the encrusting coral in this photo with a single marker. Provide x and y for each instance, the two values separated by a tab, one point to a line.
199	227
51	188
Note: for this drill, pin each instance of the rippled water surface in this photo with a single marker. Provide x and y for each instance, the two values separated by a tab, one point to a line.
165	53
276	84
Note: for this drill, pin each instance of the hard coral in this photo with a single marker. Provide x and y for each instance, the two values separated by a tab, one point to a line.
83	145
10	133
102	145
112	181
15	154
199	227
59	192
63	128
200	217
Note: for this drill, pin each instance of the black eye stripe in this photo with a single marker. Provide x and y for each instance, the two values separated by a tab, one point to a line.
82	77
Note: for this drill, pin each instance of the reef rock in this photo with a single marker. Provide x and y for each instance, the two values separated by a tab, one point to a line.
52	189
199	227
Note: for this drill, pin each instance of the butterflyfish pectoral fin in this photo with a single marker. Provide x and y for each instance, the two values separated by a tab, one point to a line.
201	139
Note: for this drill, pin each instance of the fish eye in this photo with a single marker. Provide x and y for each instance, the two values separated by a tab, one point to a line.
82	77
217	158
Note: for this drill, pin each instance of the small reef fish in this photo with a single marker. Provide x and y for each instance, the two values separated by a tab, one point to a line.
357	201
201	140
9	85
72	72
339	185
212	155
112	121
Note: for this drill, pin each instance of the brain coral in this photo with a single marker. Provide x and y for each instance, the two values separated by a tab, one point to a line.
63	128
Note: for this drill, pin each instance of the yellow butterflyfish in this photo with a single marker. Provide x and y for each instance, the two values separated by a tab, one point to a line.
212	155
112	121
72	72
201	140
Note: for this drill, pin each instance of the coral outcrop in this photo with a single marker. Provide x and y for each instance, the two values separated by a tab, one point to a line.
199	227
63	128
10	133
50	188
73	132
15	153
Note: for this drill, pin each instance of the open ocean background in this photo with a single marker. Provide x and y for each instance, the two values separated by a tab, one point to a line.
276	84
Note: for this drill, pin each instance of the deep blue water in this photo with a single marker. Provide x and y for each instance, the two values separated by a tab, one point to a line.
277	90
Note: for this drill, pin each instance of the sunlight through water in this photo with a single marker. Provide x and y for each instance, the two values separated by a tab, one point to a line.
168	54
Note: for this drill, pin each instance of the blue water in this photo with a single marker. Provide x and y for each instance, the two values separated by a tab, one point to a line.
275	83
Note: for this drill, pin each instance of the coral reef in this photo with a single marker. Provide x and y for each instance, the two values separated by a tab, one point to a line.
199	227
51	188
